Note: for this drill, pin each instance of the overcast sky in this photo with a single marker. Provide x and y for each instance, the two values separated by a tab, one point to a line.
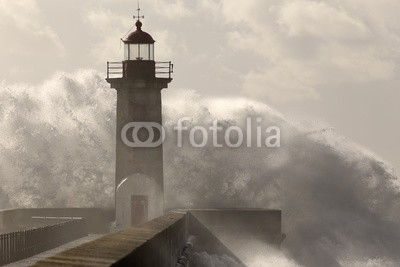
330	60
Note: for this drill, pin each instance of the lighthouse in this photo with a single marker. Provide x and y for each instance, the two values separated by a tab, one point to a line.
139	80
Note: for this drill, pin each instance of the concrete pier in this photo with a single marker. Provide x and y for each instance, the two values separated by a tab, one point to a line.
160	242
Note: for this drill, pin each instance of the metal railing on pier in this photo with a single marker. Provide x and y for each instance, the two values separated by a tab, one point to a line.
24	244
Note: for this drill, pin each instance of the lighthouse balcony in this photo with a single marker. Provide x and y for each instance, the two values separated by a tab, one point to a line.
139	69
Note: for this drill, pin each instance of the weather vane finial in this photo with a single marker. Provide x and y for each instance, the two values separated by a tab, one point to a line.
138	17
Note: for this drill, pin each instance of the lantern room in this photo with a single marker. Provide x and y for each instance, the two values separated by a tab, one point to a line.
138	62
139	45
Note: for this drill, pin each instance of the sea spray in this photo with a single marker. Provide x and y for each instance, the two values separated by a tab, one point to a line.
57	142
340	205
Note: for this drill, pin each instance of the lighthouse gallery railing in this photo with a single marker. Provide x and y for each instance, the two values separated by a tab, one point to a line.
164	69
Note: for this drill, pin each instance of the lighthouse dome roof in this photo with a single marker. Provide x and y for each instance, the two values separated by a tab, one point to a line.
139	36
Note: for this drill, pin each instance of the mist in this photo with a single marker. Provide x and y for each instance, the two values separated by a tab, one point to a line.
340	203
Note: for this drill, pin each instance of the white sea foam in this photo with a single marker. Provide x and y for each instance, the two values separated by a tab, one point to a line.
340	204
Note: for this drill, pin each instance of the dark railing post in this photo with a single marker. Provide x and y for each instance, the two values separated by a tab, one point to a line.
1	251
7	247
12	238
108	69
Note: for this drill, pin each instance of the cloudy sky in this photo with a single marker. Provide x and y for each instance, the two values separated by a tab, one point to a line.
335	61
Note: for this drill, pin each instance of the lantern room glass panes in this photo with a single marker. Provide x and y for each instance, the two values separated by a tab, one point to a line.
152	52
139	52
134	52
126	52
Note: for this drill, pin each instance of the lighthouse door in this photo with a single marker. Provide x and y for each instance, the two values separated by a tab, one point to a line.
139	210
